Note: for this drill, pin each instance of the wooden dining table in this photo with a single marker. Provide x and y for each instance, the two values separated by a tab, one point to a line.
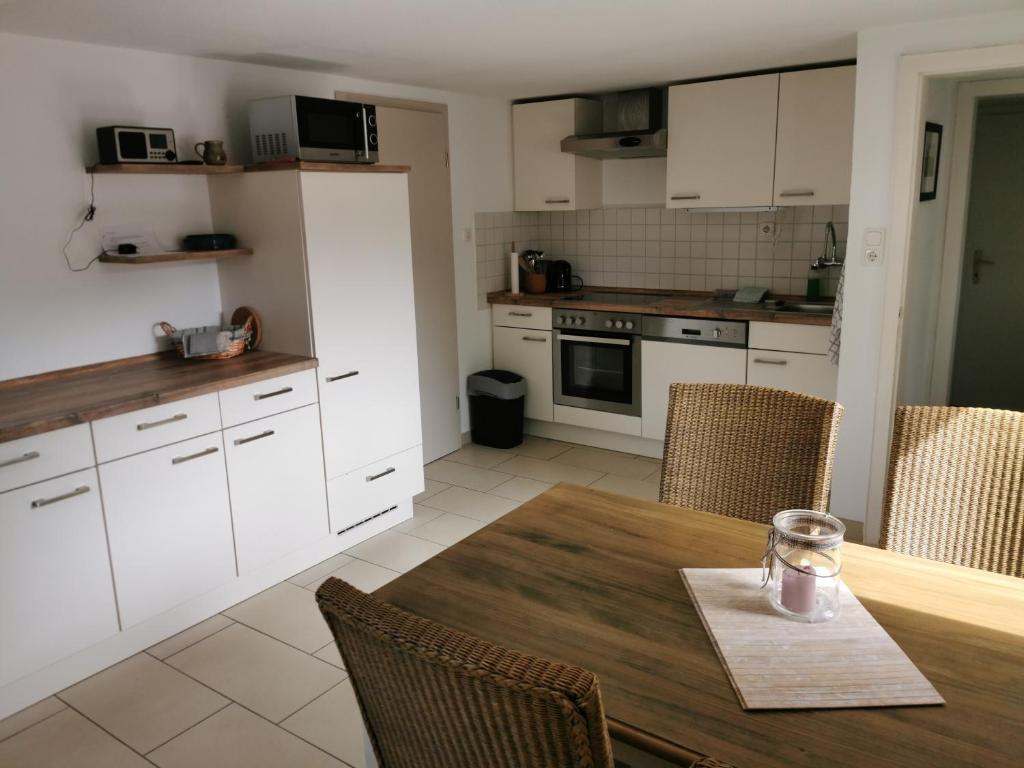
591	578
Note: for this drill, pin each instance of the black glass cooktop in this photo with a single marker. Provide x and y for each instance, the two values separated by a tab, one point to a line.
622	298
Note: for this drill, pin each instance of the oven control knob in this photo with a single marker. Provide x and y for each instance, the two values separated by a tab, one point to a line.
607	323
717	333
618	323
629	325
581	320
560	319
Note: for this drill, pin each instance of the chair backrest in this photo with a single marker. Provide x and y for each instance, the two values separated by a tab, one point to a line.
955	488
747	451
433	696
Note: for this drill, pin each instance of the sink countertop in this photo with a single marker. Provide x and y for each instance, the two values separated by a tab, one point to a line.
675	304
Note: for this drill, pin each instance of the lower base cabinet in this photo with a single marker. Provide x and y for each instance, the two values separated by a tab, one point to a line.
795	371
56	592
374	488
276	477
169	525
528	353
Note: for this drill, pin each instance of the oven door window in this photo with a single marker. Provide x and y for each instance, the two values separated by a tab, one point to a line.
328	125
598	371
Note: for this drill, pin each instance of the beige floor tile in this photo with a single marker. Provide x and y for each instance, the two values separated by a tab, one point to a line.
430	487
319	572
67	740
259	672
540	448
610	462
285	611
475	504
397	551
365	576
235	738
29	716
190	636
549	471
448	529
480	455
520	489
420	514
333	723
655	465
331	655
641	489
142	701
463	475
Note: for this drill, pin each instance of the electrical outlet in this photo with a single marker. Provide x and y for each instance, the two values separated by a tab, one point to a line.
766	230
874	245
467	235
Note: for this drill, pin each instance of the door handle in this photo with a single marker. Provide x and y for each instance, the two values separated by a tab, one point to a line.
264	396
341	376
765	361
534	338
797	193
551	200
979	259
37	503
595	340
19	459
260	436
169	420
199	455
379	475
686	197
520	314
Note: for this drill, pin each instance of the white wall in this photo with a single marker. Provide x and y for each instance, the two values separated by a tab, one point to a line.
635	182
878	54
55	93
924	273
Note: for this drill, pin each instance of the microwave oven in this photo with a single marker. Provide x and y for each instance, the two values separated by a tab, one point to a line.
306	128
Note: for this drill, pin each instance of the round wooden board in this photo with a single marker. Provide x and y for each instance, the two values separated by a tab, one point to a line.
240	315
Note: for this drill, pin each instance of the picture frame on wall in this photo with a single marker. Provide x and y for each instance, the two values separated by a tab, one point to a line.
930	161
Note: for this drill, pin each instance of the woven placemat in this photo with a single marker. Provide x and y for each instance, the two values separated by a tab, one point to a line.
778	663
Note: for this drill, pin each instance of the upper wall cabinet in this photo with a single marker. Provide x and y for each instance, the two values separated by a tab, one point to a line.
547	179
815	144
721	142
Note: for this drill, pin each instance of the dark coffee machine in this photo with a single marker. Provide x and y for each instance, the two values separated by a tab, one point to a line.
559	275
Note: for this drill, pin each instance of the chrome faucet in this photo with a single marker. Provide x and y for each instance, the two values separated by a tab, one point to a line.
829	254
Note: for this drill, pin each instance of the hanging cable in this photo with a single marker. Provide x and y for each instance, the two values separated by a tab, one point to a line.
90	214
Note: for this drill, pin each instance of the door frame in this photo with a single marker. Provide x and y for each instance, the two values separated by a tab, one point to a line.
913	73
962	156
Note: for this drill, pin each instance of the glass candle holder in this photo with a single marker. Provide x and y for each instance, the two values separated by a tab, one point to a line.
803	561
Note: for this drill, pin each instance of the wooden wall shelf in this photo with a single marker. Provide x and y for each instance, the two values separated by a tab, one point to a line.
157	258
305	165
169	169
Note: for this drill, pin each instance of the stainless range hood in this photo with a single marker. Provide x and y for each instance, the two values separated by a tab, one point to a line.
633	127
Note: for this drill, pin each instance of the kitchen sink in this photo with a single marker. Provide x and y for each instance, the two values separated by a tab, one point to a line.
811	309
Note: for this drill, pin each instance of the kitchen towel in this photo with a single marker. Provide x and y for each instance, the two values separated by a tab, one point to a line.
836	332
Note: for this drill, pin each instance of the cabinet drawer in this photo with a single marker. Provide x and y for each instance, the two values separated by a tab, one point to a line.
514	316
265	398
528	353
152	427
368	490
56	593
789	337
795	371
31	459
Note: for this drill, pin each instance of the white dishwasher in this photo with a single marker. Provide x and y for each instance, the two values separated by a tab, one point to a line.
688	350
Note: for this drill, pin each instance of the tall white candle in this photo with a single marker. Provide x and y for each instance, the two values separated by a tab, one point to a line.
514	270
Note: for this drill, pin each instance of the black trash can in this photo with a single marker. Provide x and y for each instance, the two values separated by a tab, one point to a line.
496	400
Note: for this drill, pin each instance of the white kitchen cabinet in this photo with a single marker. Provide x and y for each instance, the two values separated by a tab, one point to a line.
56	591
794	371
265	398
815	143
374	488
169	525
547	179
276	482
528	353
138	431
721	142
664	363
38	457
516	316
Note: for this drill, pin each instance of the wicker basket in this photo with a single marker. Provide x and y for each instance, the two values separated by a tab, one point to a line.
237	347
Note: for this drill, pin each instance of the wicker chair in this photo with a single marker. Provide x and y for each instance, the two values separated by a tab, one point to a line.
434	697
955	488
747	451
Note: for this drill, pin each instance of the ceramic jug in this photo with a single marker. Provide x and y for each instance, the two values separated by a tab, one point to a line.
212	152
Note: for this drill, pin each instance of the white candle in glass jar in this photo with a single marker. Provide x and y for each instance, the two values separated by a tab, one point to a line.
798	587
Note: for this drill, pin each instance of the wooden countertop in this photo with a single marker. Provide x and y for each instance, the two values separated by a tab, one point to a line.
678	304
47	401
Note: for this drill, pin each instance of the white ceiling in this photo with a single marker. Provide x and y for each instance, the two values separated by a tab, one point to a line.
512	48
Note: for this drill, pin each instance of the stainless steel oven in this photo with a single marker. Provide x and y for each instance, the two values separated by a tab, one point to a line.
596	360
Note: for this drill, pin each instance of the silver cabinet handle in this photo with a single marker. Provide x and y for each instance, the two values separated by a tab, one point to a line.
339	377
686	197
550	200
169	420
260	436
797	193
534	338
54	499
19	459
183	459
264	396
379	475
520	314
765	361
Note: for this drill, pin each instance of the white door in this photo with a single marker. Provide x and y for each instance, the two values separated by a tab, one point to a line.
664	363
169	525
420	139
359	257
794	371
721	142
528	353
988	367
276	480
56	592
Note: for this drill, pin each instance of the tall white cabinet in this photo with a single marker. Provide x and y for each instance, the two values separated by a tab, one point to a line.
331	275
